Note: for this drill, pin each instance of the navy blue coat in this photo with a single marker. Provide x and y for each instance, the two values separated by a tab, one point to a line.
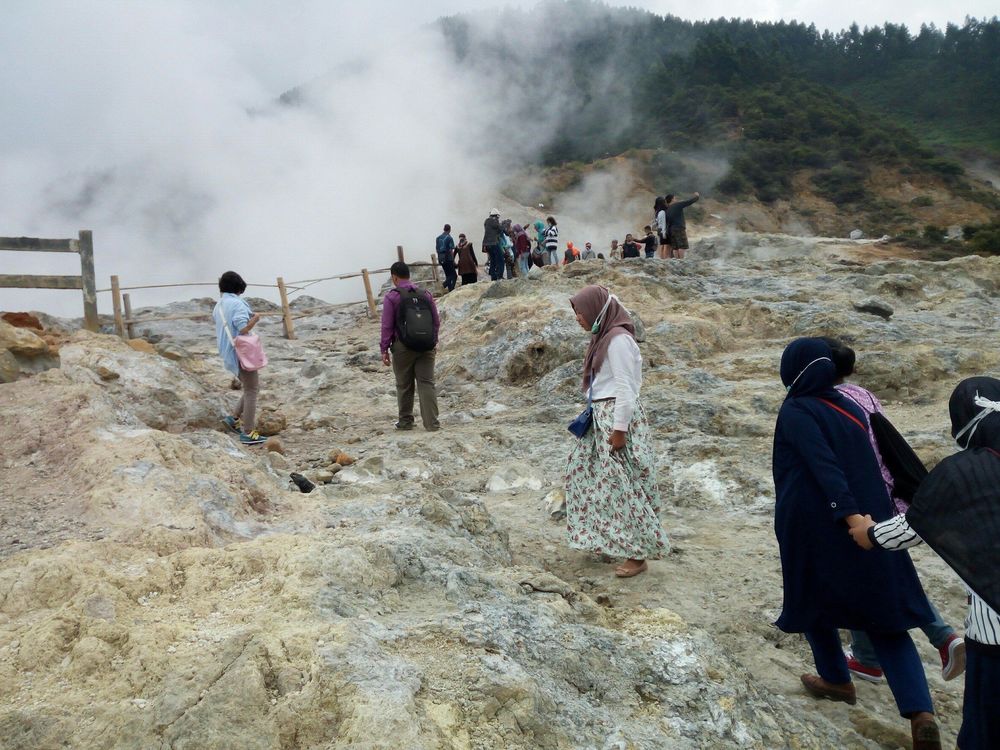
824	470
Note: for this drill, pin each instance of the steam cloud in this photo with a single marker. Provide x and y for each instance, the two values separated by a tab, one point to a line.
156	124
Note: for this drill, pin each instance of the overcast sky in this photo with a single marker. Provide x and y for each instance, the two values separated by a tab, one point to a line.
130	117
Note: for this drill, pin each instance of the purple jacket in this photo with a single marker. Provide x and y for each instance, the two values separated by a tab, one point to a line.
390	303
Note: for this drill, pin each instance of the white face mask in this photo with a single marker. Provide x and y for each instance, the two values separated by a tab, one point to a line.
788	389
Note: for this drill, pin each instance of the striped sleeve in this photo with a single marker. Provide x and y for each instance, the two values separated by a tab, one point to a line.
982	624
894	534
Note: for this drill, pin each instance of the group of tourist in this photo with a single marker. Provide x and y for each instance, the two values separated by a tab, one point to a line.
838	495
510	249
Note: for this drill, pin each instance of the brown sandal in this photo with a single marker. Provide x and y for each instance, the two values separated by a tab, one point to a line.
622	572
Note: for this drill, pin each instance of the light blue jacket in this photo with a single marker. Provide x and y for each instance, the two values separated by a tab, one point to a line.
236	314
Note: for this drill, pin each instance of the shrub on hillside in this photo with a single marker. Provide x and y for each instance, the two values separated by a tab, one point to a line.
841	184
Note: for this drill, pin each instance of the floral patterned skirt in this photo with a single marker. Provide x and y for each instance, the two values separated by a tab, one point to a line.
612	501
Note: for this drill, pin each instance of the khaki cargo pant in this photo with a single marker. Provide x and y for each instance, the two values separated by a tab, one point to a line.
412	367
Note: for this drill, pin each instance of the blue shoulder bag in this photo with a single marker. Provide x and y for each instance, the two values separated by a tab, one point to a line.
585	418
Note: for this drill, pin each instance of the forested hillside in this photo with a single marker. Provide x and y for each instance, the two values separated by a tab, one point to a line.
777	100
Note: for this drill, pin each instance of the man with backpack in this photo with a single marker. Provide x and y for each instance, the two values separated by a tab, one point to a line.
446	257
410	325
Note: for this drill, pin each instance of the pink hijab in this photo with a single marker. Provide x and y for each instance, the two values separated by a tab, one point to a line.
589	302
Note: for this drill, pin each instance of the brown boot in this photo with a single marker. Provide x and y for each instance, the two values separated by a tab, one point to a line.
820	688
924	731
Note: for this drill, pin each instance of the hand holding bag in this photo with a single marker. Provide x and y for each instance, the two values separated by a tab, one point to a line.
249	350
585	418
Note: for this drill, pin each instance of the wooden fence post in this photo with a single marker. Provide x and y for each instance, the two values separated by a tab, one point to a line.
399	253
91	323
286	312
116	304
129	328
368	292
434	268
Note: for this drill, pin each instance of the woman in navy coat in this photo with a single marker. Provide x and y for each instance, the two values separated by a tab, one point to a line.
826	479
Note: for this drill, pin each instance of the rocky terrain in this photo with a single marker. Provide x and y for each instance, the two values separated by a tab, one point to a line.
163	587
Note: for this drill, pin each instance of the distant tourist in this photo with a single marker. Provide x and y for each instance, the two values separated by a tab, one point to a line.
955	510
650	242
446	257
522	250
468	265
630	248
826	480
660	220
507	246
588	252
612	500
676	228
600	256
616	252
863	662
410	326
551	242
233	317
491	245
571	254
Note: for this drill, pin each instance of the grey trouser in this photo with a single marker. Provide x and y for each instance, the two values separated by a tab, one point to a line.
410	366
246	409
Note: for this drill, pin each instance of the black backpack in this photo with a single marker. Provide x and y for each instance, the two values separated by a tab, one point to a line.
414	319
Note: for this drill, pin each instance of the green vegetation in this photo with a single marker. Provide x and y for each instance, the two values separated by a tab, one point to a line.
774	99
983	239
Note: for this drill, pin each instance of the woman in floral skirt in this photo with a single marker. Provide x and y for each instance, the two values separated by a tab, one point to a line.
612	501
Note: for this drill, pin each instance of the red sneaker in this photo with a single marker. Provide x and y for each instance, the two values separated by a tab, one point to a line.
952	657
863	671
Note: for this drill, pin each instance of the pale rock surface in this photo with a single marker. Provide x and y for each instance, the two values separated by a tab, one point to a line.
164	590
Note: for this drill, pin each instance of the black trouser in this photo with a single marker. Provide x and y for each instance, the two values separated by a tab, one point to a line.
497	264
450	277
470	278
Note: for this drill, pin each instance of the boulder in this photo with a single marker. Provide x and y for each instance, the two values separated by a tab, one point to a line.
874	306
274	445
857	234
157	391
21	341
270	421
22	320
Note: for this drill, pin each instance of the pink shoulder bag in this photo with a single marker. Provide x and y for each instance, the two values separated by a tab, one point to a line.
249	350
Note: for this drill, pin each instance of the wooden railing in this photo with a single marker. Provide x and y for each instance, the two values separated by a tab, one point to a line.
82	246
126	320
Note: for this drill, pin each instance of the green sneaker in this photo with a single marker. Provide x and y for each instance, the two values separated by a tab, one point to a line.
252	438
234	424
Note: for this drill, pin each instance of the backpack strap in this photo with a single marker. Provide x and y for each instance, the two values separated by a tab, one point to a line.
846	413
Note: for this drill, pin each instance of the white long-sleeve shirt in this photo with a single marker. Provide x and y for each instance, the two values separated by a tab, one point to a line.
661	223
620	378
982	623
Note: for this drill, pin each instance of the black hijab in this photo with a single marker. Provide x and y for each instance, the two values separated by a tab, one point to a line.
956	511
807	369
962	406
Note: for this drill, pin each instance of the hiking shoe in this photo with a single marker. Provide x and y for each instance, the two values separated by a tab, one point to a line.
252	438
952	657
925	734
864	672
404	425
820	688
233	423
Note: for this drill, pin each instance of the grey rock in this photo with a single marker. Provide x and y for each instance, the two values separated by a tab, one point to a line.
874	306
